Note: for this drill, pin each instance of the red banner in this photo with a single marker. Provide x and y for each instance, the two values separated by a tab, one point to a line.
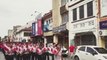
39	27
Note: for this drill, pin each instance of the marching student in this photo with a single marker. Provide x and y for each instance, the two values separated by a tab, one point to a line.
25	52
14	50
20	51
44	52
34	53
17	51
8	51
29	50
39	51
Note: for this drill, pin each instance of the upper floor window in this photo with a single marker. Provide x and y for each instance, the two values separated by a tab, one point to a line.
90	9
74	14
63	2
27	34
64	18
81	11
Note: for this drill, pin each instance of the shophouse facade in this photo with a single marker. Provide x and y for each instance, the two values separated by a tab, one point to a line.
83	24
37	29
102	18
47	27
10	35
23	34
60	22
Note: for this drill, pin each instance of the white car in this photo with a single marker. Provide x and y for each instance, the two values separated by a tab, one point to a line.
87	52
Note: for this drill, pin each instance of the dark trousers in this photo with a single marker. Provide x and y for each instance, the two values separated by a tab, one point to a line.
52	55
9	57
20	57
39	57
17	56
44	56
34	56
47	55
24	57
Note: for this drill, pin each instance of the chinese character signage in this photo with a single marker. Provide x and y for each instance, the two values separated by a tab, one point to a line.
103	24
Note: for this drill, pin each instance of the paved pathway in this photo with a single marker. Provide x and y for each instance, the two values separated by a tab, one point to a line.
2	57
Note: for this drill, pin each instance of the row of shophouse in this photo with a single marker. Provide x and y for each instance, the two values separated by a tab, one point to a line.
79	22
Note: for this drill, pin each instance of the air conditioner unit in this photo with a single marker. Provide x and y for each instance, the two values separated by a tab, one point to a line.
103	32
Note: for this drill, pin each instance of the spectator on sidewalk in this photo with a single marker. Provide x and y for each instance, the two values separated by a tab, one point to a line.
72	49
64	53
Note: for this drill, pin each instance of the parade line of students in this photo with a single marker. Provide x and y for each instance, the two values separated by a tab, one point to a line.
29	51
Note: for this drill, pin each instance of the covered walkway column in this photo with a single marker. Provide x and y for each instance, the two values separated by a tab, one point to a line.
71	39
45	41
99	41
55	39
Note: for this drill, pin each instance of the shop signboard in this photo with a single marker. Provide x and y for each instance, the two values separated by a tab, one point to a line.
39	23
103	24
33	29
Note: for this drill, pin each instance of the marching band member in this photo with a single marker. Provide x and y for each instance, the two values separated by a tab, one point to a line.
20	51
8	51
30	50
44	52
39	52
17	51
25	52
14	50
34	54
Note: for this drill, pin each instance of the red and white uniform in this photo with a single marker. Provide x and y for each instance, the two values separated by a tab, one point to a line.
44	49
54	51
50	50
25	49
33	48
30	47
14	48
17	49
21	49
39	51
8	50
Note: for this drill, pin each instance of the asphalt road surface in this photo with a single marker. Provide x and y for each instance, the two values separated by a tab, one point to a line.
2	57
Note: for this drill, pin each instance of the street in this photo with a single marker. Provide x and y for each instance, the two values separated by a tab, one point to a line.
2	56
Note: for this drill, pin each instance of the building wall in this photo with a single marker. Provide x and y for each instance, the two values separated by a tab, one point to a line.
103	4
20	36
56	12
87	24
102	18
59	14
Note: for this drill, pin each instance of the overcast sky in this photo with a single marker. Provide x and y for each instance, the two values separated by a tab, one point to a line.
18	12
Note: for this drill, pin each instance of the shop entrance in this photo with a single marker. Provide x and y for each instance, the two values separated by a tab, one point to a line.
105	40
63	39
85	39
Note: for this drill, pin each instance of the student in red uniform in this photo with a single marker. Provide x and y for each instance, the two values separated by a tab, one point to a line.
39	51
8	51
33	51
14	49
17	51
25	52
44	52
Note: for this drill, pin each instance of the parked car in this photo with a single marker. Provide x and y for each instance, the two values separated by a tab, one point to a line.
88	52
